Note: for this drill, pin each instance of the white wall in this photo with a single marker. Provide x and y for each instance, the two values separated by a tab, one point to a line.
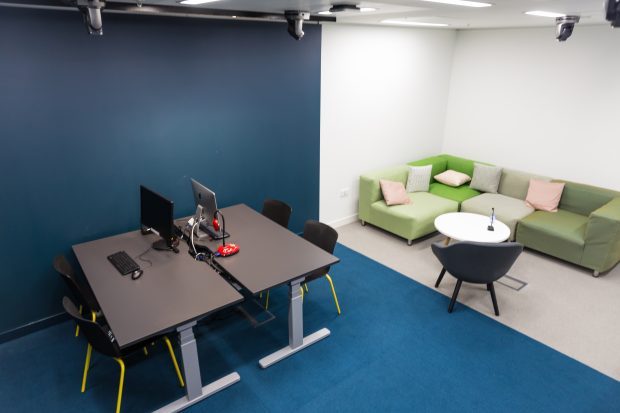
520	99
383	99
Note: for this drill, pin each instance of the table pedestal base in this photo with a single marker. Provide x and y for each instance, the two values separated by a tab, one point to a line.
288	350
191	369
208	390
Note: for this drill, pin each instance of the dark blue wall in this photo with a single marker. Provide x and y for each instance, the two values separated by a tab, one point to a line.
155	101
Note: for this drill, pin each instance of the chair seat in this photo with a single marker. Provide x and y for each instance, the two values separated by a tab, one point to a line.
415	219
507	209
560	234
458	194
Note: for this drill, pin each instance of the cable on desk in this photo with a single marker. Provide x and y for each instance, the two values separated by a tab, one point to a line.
139	257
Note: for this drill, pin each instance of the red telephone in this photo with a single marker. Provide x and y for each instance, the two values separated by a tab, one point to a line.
228	250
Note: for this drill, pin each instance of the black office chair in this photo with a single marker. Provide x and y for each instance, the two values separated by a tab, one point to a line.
476	262
280	213
324	237
100	338
83	295
277	211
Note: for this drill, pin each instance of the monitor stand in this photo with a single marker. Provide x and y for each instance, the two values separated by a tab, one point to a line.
212	232
162	245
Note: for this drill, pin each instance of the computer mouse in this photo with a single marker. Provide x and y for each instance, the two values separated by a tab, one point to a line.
136	274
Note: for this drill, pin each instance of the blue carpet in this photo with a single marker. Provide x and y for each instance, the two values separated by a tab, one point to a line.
394	348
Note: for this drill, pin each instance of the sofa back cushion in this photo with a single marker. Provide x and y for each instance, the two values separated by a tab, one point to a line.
516	183
438	163
583	199
463	165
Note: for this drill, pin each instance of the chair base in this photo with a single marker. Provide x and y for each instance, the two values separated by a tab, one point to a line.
490	288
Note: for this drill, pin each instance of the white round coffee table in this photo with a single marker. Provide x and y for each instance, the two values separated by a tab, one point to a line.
464	226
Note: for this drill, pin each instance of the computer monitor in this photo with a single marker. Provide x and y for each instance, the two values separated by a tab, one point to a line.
206	205
156	215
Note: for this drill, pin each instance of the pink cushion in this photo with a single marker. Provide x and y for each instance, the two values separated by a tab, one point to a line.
543	195
452	178
394	193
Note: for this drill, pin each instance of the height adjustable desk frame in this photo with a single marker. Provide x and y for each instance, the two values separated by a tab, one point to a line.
270	256
169	296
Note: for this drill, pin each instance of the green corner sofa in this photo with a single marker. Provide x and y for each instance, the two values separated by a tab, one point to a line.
585	230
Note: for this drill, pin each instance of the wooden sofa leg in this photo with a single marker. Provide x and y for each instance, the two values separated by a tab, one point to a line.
596	274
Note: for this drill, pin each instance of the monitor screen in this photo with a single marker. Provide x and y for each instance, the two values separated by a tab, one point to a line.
156	212
204	197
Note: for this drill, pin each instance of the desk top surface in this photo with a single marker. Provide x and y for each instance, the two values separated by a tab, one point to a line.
269	254
174	289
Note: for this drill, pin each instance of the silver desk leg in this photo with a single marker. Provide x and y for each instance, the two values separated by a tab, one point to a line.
296	338
191	369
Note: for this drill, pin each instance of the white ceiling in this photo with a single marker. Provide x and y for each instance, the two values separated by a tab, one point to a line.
503	13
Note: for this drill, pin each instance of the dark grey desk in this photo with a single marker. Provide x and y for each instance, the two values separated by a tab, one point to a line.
173	293
271	255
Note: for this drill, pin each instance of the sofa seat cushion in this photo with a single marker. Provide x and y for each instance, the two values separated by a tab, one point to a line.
508	210
458	194
560	234
412	220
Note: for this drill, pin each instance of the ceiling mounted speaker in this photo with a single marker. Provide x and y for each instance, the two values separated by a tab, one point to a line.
339	8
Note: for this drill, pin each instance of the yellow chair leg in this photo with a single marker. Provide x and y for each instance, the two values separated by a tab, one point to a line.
302	292
331	283
120	384
77	327
267	301
145	351
93	316
89	351
306	287
174	361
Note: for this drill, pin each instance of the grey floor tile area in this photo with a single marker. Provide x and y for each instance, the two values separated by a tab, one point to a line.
562	305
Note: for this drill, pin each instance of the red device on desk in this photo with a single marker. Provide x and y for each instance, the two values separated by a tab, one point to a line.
224	250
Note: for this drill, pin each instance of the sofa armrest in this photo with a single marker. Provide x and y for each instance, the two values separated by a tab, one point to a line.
370	191
602	240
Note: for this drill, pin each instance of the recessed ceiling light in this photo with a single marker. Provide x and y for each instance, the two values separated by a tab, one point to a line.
195	2
542	13
461	3
412	23
325	12
367	9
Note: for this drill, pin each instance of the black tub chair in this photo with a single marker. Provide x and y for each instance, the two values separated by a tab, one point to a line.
476	262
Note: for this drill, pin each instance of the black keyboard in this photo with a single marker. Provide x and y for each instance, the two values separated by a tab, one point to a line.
123	262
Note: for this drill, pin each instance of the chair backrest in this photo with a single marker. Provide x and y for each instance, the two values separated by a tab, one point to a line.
478	262
100	337
277	211
82	295
324	237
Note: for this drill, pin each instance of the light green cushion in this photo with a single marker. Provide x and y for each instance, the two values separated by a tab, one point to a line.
439	165
508	210
458	194
413	220
560	234
516	183
583	199
370	190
